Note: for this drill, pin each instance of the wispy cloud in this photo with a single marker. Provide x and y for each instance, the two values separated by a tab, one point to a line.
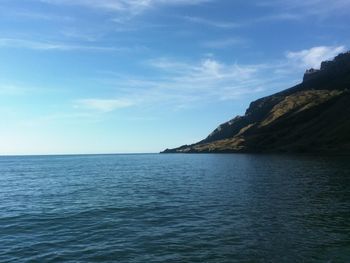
310	7
314	56
21	89
34	15
129	6
210	22
184	84
52	118
223	43
284	16
46	45
11	90
103	105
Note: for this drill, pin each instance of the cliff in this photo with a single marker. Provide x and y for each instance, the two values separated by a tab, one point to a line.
313	116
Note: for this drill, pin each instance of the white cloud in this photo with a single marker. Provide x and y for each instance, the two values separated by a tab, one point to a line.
223	43
278	17
11	90
310	7
212	23
207	69
130	6
103	105
46	45
22	89
32	15
182	84
314	56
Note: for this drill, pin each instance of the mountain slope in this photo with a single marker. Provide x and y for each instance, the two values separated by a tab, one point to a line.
313	116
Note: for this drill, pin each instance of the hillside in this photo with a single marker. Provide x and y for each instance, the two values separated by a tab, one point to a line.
313	116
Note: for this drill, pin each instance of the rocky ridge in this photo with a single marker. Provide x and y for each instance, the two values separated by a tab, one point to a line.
313	116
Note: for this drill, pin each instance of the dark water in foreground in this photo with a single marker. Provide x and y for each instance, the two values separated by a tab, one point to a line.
175	208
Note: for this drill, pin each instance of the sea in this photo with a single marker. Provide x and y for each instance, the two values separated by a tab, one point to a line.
175	208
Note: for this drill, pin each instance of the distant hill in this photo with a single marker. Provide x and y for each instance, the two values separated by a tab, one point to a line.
313	116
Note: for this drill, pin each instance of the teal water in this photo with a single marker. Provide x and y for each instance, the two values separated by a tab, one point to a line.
175	208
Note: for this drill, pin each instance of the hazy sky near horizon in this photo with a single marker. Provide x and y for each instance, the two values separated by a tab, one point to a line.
111	76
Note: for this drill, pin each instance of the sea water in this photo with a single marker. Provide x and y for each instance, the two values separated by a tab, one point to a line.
175	208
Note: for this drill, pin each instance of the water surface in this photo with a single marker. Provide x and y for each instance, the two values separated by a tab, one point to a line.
175	208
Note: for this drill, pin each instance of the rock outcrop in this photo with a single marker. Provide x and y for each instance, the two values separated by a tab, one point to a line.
313	116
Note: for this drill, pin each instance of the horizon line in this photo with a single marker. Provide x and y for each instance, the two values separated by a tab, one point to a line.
74	154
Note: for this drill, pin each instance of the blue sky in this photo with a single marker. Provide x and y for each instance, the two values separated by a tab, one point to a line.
111	76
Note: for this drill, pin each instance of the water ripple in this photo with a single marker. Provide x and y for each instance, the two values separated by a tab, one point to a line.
175	208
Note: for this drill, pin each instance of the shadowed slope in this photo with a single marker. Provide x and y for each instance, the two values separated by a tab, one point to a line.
313	116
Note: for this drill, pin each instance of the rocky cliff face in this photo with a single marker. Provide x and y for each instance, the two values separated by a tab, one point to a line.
313	116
